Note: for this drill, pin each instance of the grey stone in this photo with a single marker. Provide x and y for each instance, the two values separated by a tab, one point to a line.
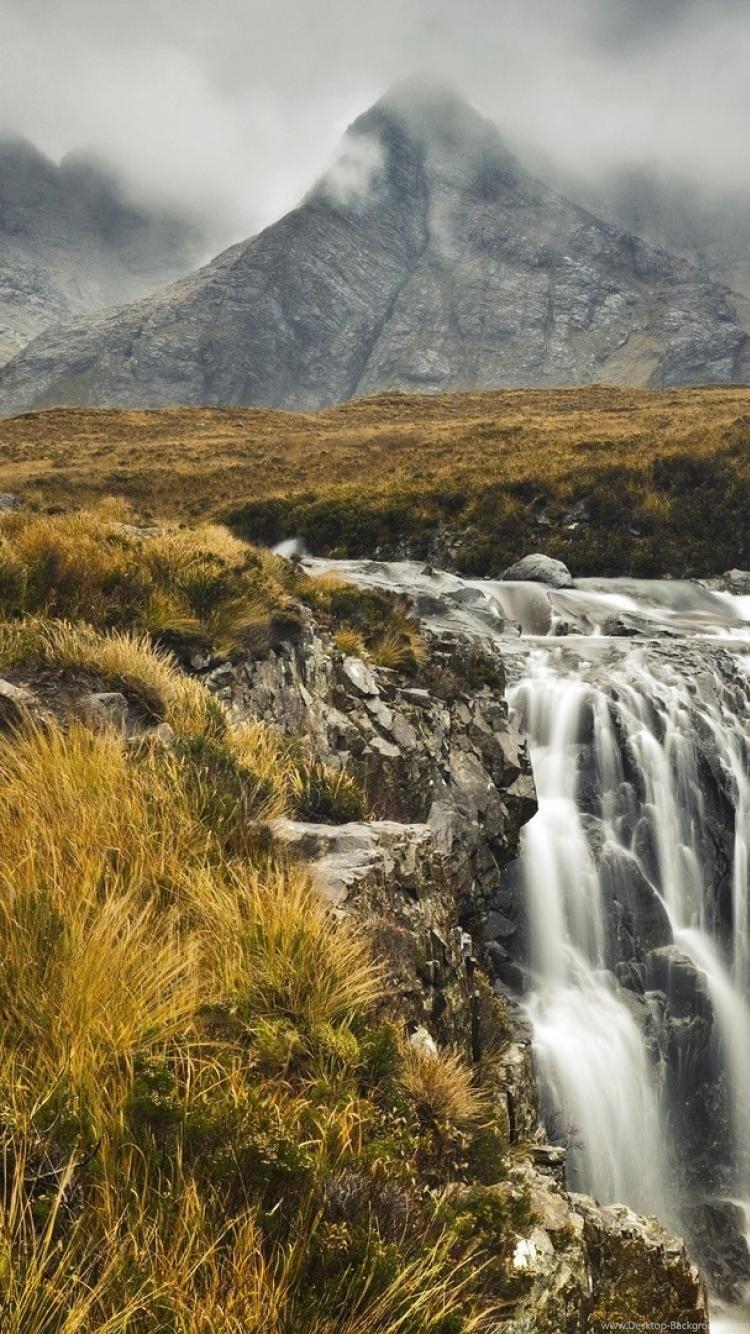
358	674
403	733
105	709
498	926
18	694
423	1041
15	701
380	712
358	854
540	569
684	984
737	582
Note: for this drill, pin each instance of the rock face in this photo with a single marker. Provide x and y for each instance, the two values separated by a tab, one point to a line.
451	785
72	242
427	258
710	227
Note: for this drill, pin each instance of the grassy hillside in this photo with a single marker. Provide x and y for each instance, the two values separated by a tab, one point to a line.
612	480
208	1122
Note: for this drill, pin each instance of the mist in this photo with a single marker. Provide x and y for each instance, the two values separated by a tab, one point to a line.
234	109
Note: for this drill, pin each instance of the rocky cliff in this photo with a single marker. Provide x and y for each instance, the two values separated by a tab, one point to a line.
449	780
709	227
426	258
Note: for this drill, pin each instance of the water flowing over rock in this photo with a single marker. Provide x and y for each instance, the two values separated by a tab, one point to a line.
441	880
622	927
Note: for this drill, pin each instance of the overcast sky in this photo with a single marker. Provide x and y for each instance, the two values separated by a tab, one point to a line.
237	105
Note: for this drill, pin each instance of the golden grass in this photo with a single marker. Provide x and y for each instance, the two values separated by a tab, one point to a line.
90	566
185	1048
667	471
190	1059
285	961
350	643
189	462
191	589
441	1086
124	661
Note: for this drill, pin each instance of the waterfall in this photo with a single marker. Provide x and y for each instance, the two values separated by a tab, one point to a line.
634	699
602	1087
600	1093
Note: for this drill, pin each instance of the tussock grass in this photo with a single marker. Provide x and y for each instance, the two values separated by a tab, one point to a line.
123	660
186	589
327	795
203	1126
187	586
365	622
442	1088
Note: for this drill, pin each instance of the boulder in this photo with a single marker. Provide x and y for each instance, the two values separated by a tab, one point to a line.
684	985
539	569
352	857
636	912
360	677
14	702
737	582
105	709
9	502
640	1273
719	1241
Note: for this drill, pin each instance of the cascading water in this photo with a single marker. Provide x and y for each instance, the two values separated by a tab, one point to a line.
581	720
634	697
601	1092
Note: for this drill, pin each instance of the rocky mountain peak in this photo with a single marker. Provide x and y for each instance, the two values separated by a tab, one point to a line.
426	126
425	258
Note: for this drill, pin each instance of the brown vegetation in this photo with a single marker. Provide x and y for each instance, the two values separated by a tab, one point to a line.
666	472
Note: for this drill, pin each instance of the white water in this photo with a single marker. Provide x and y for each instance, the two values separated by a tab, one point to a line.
599	1085
591	1052
619	730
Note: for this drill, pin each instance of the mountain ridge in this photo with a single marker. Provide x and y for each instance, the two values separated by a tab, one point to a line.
72	240
427	258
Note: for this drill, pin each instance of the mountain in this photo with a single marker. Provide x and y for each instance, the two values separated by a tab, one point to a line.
71	241
426	258
710	227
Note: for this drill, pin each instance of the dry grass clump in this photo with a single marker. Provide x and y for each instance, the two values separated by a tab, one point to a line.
365	622
350	643
184	586
285	961
442	1088
123	660
187	589
323	794
189	1060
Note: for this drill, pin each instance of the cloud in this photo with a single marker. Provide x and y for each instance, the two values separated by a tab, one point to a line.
351	177
237	107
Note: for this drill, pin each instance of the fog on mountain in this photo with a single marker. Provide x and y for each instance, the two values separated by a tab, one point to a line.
427	258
